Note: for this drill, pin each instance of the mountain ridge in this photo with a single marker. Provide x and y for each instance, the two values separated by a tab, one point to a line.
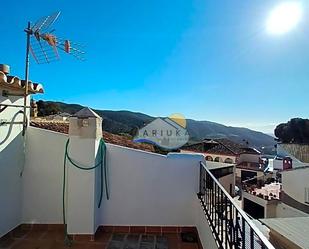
123	121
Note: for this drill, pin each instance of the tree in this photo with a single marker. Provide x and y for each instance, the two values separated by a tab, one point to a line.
294	131
46	108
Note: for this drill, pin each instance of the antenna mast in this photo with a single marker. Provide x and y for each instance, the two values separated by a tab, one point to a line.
26	79
43	44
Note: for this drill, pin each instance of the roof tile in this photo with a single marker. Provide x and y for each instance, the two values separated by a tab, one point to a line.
13	82
63	127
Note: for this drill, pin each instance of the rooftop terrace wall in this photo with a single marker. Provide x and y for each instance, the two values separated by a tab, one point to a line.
11	163
145	188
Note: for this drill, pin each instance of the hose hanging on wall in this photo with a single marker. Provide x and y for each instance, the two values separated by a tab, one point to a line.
11	123
103	178
11	126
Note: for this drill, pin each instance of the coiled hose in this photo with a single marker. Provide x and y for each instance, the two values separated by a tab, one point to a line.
103	178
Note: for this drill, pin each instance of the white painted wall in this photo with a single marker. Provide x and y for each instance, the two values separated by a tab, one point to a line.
145	188
43	176
294	183
11	165
285	211
150	189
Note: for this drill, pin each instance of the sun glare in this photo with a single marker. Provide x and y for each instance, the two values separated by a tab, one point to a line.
284	17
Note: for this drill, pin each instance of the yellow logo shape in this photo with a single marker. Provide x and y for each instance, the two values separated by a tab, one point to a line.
179	119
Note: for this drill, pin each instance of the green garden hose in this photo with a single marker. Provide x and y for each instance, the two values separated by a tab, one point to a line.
103	175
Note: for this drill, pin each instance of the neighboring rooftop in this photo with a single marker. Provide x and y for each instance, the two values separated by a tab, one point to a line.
294	229
235	148
250	150
221	149
64	114
221	146
63	127
271	190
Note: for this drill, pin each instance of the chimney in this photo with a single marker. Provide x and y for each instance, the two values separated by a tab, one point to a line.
5	68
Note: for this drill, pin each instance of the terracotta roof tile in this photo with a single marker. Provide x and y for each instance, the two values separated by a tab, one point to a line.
216	146
63	127
221	150
221	146
235	148
13	82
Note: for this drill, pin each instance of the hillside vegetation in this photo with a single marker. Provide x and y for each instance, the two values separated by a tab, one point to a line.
119	122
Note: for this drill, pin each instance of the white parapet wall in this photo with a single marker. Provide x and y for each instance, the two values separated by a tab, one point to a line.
145	188
11	163
295	184
43	177
150	189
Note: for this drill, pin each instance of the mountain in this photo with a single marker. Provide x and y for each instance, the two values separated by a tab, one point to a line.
202	129
119	122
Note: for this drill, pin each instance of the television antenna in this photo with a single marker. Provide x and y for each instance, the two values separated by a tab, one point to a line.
43	45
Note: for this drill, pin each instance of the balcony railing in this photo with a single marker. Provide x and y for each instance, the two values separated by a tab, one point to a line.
230	225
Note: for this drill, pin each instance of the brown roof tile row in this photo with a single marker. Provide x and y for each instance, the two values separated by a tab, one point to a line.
221	146
216	146
13	82
63	127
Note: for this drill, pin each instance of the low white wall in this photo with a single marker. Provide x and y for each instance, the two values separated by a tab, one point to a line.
150	189
285	211
43	176
294	183
145	188
11	164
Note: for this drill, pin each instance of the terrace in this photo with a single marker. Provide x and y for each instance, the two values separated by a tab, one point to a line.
134	199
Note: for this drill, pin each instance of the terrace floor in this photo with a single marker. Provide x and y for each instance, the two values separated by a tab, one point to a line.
54	239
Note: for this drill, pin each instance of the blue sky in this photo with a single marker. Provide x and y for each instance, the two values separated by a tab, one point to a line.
209	60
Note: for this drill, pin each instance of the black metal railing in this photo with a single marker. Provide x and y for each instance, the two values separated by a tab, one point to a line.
230	225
